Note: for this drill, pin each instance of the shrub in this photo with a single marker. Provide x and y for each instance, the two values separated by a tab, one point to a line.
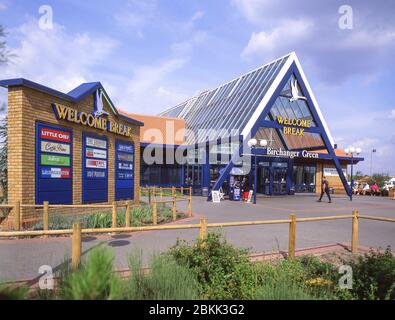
12	292
138	216
374	276
222	270
166	280
94	280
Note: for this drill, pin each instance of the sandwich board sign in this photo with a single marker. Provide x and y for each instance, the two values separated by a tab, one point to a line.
215	196
250	196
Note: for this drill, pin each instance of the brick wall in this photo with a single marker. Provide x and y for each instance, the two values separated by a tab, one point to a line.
334	181
27	106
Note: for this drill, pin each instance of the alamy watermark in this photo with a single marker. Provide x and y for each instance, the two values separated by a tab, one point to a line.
346	19
45	22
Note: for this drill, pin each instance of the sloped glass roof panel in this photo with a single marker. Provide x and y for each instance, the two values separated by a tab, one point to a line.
229	106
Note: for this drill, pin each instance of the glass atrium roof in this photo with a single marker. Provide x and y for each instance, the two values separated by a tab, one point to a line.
226	110
214	113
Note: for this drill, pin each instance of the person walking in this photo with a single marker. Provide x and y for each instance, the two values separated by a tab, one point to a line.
325	189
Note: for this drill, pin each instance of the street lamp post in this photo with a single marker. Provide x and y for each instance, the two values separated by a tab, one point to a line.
252	144
352	151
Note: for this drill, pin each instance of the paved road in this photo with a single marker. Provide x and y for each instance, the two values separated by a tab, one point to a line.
21	259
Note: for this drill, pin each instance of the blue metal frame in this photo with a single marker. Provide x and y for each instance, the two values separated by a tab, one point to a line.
293	70
84	169
54	182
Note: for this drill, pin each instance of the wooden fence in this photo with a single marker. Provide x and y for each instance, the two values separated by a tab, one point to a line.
18	217
203	226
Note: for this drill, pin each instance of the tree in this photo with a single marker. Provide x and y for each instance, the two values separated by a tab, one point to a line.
4	59
3	156
4	52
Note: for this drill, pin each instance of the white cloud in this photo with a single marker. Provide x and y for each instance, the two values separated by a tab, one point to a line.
392	114
56	58
136	13
350	51
3	5
273	41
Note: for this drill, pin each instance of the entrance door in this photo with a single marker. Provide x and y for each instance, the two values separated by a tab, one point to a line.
279	180
264	180
192	178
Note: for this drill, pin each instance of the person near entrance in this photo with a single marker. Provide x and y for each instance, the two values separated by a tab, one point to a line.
325	189
245	186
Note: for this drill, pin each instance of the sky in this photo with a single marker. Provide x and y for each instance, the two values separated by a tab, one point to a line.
153	54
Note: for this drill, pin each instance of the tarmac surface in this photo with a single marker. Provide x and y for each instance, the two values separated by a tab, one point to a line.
21	259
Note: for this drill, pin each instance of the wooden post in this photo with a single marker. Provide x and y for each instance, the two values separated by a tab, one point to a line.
114	214
127	215
17	216
172	191
154	213
354	232
182	191
46	216
174	209
76	246
292	236
190	203
161	194
203	229
153	192
149	195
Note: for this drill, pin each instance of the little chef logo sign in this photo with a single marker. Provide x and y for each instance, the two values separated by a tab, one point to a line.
55	135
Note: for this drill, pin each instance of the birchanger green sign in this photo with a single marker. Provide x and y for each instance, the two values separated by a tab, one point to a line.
55	160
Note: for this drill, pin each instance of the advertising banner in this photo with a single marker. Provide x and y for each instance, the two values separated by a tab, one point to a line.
125	156
98	143
54	147
98	164
55	135
55	160
125	148
95	174
95	153
332	172
125	166
57	173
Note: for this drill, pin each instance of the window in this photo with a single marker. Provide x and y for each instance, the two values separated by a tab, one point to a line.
303	179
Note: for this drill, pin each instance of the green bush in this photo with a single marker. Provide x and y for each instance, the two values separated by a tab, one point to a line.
12	292
374	276
166	280
139	216
223	271
94	280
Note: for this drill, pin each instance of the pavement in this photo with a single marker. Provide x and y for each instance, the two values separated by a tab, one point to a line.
20	259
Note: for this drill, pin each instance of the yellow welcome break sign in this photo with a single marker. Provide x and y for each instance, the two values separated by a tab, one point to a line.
291	124
88	119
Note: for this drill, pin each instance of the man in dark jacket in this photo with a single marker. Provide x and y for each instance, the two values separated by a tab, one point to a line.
325	189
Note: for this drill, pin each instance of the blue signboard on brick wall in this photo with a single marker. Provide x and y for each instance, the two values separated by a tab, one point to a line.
94	168
54	178
124	170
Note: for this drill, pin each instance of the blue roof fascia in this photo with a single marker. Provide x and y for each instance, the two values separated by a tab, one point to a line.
136	122
33	85
74	95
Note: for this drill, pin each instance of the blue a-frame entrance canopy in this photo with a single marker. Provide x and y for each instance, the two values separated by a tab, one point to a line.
251	104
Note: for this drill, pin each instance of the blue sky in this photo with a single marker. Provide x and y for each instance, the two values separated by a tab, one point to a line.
152	54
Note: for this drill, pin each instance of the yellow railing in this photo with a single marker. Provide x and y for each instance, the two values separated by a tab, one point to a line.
76	231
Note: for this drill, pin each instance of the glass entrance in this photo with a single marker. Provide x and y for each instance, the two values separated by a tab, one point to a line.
192	178
272	178
279	181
